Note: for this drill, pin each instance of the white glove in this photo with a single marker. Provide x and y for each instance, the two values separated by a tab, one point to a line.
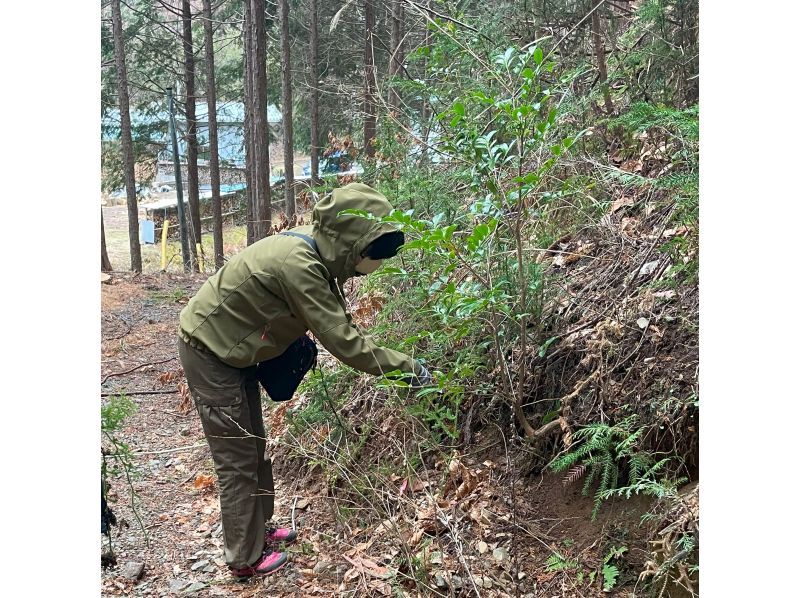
423	378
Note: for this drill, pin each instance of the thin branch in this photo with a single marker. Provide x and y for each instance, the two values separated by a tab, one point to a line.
139	392
143	365
172	450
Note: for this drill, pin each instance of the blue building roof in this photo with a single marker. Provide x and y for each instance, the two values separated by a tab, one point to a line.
152	122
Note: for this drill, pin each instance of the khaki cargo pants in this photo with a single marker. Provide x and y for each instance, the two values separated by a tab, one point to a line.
228	401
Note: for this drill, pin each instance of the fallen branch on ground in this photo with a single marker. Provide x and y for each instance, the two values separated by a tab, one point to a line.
139	392
172	450
112	374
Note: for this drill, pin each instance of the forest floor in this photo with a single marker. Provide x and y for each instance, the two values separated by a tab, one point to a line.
474	523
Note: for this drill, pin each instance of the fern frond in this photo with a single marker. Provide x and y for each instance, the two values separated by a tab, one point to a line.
608	471
556	562
575	474
594	469
598	500
564	462
629	441
639	462
610	574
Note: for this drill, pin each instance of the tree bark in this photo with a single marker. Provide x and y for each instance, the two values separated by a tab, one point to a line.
396	57
288	133
213	142
105	263
248	122
600	55
262	212
193	179
370	112
126	141
425	113
314	92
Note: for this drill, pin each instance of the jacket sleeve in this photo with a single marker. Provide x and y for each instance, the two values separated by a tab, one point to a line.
309	296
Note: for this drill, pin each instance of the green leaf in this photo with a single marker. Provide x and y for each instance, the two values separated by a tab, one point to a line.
610	574
362	213
546	345
417	244
551	415
506	58
458	108
538	56
483	98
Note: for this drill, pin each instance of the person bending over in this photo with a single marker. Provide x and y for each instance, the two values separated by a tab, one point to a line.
253	310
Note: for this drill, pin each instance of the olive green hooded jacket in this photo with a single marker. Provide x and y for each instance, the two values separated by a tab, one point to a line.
276	289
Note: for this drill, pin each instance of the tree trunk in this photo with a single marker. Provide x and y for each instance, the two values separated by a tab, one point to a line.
600	54
370	112
288	133
314	92
262	212
213	143
249	167
127	141
396	58
105	263
193	182
425	113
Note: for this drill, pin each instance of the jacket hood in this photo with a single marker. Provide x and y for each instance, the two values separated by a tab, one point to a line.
342	237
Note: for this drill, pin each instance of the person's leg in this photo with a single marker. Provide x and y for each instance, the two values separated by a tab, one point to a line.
224	407
266	484
275	535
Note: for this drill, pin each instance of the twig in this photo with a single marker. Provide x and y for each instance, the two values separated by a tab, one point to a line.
332	405
445	17
172	450
139	392
457	543
119	336
112	374
294	504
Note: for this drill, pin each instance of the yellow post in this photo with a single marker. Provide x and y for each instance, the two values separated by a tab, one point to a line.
200	257
164	232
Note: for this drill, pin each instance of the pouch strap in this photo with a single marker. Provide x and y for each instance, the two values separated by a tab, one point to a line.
305	238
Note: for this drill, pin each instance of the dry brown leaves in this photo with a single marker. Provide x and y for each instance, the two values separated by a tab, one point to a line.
367	309
121	291
171	376
278	415
185	406
465	489
570	254
370	575
622	202
203	482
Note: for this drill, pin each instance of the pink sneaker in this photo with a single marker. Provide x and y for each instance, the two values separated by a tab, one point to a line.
268	563
279	534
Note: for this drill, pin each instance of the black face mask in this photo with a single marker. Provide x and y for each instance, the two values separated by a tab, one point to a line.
385	246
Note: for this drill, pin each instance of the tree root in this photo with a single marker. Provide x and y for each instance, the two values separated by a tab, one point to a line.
562	422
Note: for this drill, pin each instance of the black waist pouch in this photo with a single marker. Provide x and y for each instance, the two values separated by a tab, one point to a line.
281	375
